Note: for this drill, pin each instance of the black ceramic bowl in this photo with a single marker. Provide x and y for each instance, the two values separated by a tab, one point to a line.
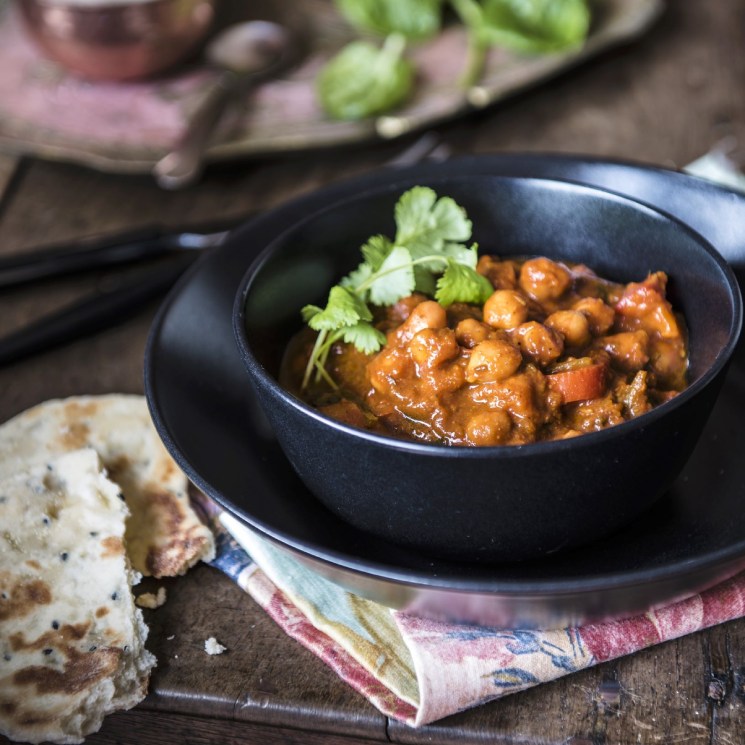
492	503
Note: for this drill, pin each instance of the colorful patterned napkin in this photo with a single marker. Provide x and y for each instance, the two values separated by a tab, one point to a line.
416	670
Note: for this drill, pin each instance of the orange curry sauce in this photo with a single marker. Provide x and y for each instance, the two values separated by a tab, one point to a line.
556	351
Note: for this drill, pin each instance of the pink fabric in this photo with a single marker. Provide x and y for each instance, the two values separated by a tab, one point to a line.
460	666
287	616
418	670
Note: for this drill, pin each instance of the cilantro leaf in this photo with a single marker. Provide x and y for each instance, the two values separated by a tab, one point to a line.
424	281
425	224
413	213
357	277
427	245
461	284
309	311
535	26
451	220
414	19
462	254
364	336
343	308
362	80
376	250
394	279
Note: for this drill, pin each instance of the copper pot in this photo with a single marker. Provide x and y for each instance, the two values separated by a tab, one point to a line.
120	40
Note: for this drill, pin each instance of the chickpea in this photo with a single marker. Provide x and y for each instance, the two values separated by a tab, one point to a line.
469	332
397	313
387	366
493	360
426	315
505	309
544	279
599	315
346	412
541	343
432	347
491	427
502	274
629	349
572	325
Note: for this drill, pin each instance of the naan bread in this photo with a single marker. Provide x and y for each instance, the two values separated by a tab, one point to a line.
164	536
71	640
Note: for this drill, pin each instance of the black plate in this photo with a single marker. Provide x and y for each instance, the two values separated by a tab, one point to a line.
203	408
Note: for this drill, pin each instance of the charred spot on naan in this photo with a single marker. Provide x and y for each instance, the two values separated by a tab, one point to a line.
71	639
80	671
20	597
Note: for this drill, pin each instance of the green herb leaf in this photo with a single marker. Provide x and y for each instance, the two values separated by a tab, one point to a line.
391	270
376	250
363	80
358	278
343	308
425	224
309	311
364	336
424	281
461	284
462	254
535	26
394	278
414	19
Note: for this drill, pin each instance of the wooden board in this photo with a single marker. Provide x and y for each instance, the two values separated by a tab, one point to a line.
665	100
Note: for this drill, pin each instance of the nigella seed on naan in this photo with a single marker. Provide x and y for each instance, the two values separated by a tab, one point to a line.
71	655
164	536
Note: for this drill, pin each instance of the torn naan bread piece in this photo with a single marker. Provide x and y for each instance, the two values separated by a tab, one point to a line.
72	643
164	536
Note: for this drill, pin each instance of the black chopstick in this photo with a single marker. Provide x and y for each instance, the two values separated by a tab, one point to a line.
95	312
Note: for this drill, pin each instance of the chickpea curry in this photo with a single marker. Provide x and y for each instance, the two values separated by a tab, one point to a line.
554	352
510	350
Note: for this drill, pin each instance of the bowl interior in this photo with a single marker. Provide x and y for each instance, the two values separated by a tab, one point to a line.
620	239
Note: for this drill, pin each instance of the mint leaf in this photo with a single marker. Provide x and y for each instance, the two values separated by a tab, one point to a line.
394	279
344	308
364	336
461	284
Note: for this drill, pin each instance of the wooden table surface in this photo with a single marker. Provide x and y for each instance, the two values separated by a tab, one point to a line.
666	99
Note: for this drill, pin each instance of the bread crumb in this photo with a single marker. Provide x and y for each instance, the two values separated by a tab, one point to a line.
150	600
212	646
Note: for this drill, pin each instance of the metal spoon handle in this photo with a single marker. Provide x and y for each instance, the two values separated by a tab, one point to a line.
184	164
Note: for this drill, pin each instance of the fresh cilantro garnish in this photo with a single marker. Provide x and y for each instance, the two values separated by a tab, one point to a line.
523	26
427	254
459	283
367	79
414	19
362	79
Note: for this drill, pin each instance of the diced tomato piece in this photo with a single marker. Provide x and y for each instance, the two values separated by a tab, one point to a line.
582	384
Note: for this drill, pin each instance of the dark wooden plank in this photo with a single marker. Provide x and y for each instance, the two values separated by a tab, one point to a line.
149	728
666	99
263	677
